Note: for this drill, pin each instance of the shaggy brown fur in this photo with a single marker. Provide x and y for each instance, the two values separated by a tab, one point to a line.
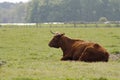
78	49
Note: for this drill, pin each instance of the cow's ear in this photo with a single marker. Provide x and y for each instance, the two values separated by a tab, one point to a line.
62	34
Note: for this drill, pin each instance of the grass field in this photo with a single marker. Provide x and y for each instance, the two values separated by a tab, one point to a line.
28	56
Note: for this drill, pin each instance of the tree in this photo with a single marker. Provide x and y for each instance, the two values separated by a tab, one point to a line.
33	11
12	12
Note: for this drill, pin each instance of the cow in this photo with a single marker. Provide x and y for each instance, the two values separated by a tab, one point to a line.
78	50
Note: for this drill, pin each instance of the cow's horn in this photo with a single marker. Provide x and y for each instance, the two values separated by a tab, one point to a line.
52	32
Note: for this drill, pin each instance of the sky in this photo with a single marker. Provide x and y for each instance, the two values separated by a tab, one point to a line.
14	1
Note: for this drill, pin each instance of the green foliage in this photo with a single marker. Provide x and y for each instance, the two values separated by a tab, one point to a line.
38	11
34	11
28	56
11	12
75	10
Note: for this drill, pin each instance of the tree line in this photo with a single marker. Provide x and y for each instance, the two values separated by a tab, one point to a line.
13	12
38	11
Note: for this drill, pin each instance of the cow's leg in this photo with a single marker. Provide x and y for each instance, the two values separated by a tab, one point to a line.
66	57
91	54
85	57
88	55
76	56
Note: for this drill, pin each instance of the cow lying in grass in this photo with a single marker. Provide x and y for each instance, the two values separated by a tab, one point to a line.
78	50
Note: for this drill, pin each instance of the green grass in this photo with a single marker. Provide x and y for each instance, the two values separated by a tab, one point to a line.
28	56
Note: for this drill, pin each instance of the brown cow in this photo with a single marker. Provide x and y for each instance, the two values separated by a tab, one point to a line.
81	50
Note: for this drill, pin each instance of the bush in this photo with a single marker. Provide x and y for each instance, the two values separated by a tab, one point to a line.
103	19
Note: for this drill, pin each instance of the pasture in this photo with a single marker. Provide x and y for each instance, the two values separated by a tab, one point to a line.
28	56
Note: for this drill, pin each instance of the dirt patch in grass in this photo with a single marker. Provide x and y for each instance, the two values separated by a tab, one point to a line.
115	56
2	63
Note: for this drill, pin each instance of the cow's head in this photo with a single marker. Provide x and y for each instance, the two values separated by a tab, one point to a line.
55	42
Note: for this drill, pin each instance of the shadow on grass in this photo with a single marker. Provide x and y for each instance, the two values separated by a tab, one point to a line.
24	79
101	78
